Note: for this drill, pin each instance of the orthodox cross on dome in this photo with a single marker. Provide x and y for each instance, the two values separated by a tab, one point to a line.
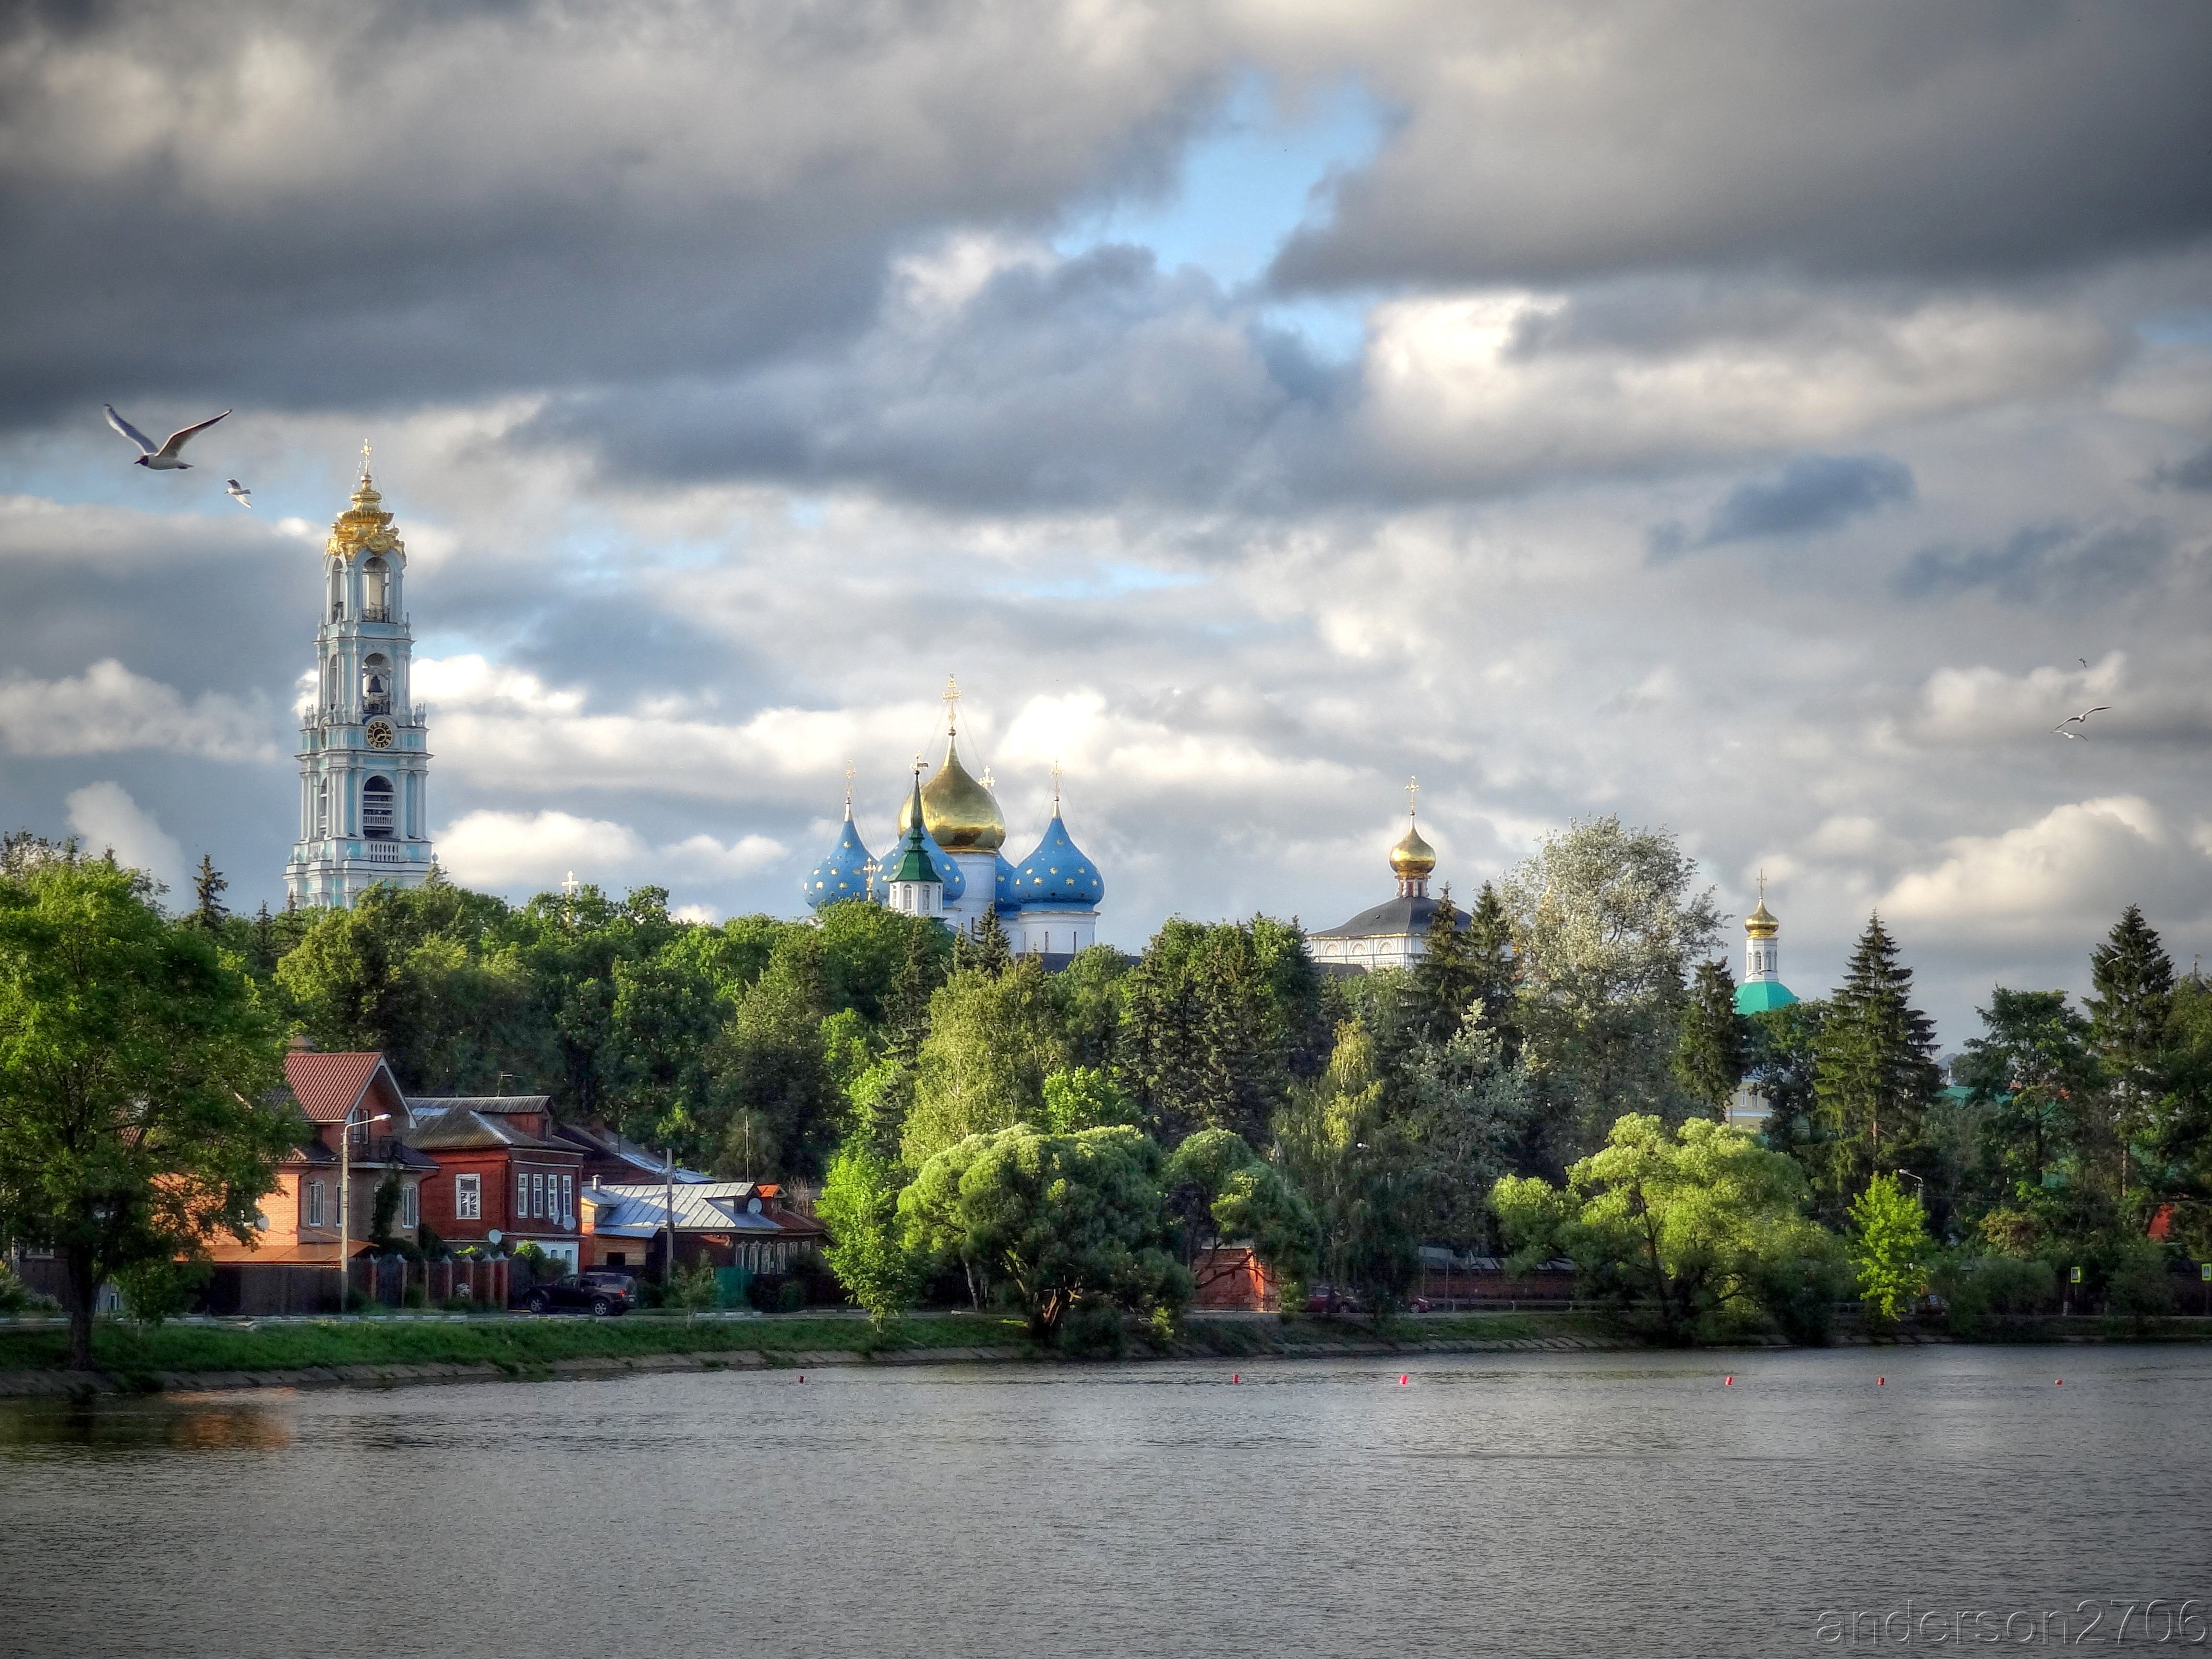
851	772
1762	883
1413	796
951	705
364	457
1055	789
571	885
987	780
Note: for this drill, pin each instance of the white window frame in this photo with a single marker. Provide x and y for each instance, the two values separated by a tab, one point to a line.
537	1196
521	1194
314	1205
411	1204
568	1200
468	1198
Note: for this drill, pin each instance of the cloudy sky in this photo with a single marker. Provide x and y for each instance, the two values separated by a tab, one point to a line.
1764	420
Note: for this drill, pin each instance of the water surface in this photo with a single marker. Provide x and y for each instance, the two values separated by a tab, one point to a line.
1584	1505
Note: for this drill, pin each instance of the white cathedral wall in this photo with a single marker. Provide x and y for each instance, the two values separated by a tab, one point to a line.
1053	932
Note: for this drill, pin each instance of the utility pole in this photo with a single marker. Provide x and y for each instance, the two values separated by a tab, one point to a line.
346	1194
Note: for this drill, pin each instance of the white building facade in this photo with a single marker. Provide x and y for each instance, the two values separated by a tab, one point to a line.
364	753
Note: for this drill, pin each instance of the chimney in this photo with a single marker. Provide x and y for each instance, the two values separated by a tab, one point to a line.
300	1043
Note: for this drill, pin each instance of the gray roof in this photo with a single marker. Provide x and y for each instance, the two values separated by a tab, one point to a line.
705	1206
457	1128
436	1105
1392	920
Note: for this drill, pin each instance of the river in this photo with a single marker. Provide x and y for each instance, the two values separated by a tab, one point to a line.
1578	1504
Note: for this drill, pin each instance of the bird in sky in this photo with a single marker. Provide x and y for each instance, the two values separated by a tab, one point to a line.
161	457
238	493
2084	661
2080	719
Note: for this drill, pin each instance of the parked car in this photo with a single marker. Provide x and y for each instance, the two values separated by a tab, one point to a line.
1323	1300
604	1294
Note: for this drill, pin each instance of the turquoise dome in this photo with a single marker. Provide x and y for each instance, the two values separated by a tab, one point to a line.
1008	900
1057	876
843	874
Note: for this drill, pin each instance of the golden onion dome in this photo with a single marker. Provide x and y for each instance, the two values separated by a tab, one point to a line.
1412	856
958	811
364	526
1762	923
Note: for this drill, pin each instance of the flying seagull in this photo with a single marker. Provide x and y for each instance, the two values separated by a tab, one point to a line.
161	457
238	493
2080	719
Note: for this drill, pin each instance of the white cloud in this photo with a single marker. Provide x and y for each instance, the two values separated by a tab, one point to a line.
2062	876
1477	388
105	817
515	851
107	709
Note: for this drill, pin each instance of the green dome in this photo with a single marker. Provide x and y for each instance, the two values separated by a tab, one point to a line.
1760	996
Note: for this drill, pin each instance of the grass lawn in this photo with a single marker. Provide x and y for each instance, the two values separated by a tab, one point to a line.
520	1343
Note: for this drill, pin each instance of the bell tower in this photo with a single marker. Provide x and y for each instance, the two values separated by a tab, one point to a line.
364	759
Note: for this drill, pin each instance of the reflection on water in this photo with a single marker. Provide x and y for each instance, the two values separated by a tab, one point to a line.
1544	1504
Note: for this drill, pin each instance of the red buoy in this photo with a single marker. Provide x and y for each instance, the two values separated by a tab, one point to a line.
1728	1382
1235	1376
802	1376
1882	1382
1404	1380
2060	1383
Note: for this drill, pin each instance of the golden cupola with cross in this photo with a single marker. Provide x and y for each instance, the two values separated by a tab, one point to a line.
1393	934
364	756
959	812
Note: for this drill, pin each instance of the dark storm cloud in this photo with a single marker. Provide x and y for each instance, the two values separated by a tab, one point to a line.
2195	473
2049	563
1090	382
1989	138
330	204
1814	493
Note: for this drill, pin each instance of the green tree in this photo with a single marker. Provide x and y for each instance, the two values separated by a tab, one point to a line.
1890	1246
1606	923
1683	1228
868	1249
1877	1068
993	1040
1065	1220
1713	1050
1490	943
1082	1097
1359	1168
778	1107
986	951
1781	1062
1207	1041
1447	979
135	1066
1462	1122
2129	1010
1223	1192
208	889
2032	1074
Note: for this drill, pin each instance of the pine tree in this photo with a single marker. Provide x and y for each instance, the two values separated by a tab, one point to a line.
2129	1017
1877	1067
209	886
987	948
1490	941
1713	1051
1448	977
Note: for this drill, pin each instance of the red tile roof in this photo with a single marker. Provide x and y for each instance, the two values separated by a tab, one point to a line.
328	1086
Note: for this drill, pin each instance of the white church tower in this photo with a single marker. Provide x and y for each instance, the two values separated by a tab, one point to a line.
364	763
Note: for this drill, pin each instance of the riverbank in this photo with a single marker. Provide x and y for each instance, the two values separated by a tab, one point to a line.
375	1351
381	1351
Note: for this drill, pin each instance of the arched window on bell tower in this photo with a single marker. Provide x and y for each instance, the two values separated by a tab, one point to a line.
376	809
376	591
337	593
376	684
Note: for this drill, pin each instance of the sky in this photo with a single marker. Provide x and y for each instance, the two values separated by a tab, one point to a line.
1761	421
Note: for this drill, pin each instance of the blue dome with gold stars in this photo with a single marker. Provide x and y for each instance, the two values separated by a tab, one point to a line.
1008	900
843	874
1057	876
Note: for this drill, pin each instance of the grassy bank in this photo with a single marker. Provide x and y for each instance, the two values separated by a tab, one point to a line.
519	1345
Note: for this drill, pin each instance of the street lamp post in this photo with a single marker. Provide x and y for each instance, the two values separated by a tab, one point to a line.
345	1195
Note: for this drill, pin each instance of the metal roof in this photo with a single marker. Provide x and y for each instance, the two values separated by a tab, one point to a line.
1394	918
329	1086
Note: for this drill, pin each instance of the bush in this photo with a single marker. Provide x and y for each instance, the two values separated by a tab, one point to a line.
1974	1287
1094	1330
155	1290
2141	1287
792	1297
696	1287
1799	1293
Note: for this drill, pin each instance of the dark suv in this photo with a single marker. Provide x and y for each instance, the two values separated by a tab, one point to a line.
603	1293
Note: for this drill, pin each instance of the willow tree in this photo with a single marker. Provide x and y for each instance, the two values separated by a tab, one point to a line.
137	1078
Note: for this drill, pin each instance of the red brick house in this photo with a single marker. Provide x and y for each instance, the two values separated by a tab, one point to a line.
503	1177
292	1264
